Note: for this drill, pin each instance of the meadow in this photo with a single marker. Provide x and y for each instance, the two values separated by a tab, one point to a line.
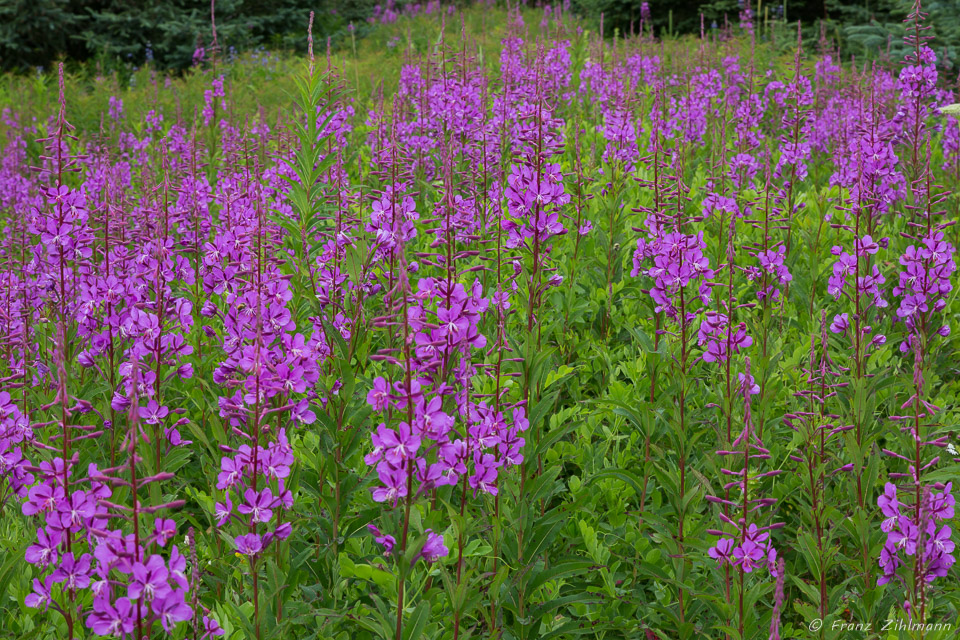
487	325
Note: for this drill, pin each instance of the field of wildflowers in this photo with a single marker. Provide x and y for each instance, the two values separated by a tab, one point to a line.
523	333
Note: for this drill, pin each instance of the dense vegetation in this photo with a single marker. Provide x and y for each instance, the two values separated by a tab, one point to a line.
124	34
483	326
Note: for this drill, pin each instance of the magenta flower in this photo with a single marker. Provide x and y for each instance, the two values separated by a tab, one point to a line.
840	323
153	413
400	445
258	505
178	568
211	628
149	580
942	504
164	530
172	609
866	246
889	506
74	512
722	552
388	542
230	472
249	544
484	477
889	562
222	511
41	593
42	499
116	619
904	538
44	552
394	483
753	551
434	548
73	574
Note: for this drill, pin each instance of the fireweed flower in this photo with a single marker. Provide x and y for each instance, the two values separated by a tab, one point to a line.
678	263
40	597
250	544
172	609
209	299
533	200
73	573
924	285
714	332
44	552
913	517
259	506
434	548
149	580
905	537
750	546
111	619
387	541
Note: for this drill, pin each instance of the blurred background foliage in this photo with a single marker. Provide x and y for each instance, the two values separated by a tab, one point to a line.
116	34
36	33
868	30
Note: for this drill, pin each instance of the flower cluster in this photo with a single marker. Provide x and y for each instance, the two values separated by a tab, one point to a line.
679	262
751	547
910	534
924	284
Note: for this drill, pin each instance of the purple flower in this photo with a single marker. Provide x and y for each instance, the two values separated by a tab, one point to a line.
484	477
222	511
748	386
722	551
889	506
258	505
178	568
388	542
45	551
394	482
41	499
752	552
715	203
108	619
866	245
283	531
41	593
211	628
165	529
230	472
172	609
942	504
73	512
840	323
149	580
401	445
249	545
889	561
73	574
905	538
153	413
434	548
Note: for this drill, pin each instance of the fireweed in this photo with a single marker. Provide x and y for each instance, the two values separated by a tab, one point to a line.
367	354
750	546
75	550
680	291
915	538
815	436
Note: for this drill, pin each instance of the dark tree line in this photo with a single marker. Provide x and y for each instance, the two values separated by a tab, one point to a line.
864	28
34	33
